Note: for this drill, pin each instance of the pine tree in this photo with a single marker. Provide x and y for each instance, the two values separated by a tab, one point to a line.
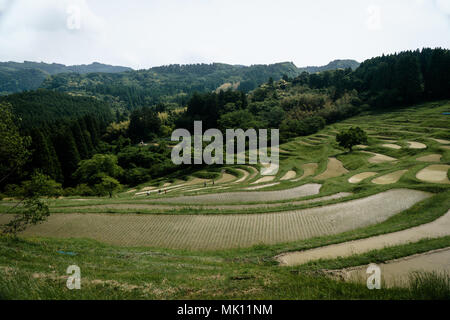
87	137
44	156
93	128
67	152
79	140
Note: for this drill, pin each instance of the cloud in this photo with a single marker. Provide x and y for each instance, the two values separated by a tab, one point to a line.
41	30
443	6
374	18
142	33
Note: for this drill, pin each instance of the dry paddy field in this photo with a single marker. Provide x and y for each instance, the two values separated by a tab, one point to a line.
210	232
263	186
245	175
334	169
144	204
308	170
289	175
379	158
430	158
396	273
390	178
416	145
240	197
357	178
435	229
435	173
391	146
264	179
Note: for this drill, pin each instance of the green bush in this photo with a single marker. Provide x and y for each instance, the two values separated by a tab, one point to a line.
206	175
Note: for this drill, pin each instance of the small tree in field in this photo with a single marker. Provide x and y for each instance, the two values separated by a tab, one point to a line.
108	185
33	209
352	137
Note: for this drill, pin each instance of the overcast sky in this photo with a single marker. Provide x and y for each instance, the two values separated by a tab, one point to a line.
146	33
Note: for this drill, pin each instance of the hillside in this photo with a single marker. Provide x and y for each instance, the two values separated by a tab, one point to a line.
43	106
333	65
28	75
175	83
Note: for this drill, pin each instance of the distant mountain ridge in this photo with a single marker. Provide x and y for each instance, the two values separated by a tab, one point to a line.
163	80
333	65
28	75
55	68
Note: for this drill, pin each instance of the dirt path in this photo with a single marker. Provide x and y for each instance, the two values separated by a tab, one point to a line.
334	169
227	231
397	272
438	228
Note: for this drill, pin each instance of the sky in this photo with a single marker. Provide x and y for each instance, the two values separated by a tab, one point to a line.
145	33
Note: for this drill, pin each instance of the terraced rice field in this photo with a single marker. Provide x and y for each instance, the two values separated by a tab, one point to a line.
209	232
146	205
435	229
320	190
240	197
289	175
390	178
430	158
416	145
379	158
436	173
308	170
391	146
264	179
357	178
396	273
334	169
263	186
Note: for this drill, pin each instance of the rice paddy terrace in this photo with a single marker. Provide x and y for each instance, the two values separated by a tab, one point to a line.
323	204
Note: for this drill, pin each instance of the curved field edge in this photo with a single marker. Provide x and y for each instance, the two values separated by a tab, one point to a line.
227	231
421	213
359	191
376	256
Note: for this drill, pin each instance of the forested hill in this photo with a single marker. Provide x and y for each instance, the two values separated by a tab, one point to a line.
333	65
21	76
175	83
35	108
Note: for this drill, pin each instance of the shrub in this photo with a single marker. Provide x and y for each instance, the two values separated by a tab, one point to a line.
352	137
